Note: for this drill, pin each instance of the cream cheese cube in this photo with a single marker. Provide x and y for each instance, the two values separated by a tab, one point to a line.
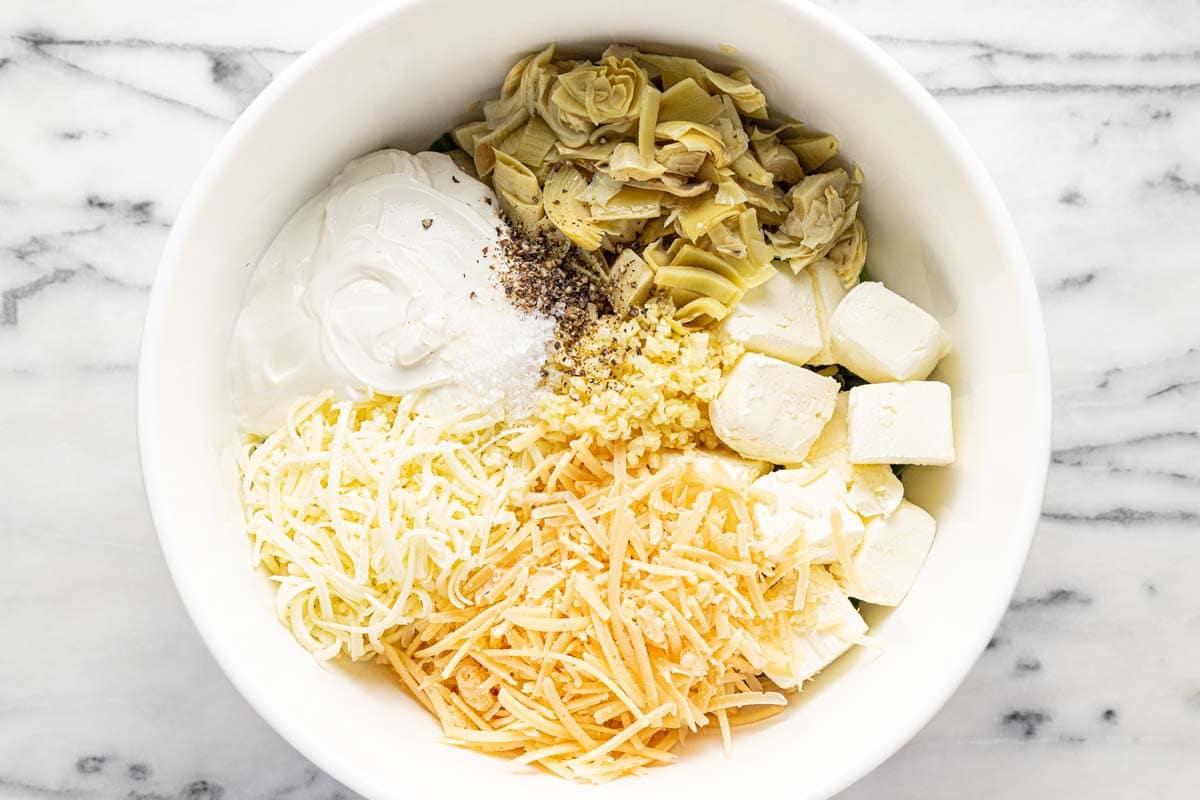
772	410
809	514
874	490
833	625
892	553
778	318
829	292
901	423
871	488
831	450
730	464
880	336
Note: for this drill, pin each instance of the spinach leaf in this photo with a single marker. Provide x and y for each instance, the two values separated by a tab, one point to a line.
443	144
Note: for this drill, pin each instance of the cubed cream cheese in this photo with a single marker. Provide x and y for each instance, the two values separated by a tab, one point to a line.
778	318
771	410
901	423
880	336
833	624
871	488
874	489
891	555
731	465
831	450
829	292
805	514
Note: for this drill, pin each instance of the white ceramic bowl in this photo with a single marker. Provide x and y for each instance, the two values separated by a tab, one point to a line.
939	234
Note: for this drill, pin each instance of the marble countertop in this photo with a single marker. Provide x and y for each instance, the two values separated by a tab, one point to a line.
1088	116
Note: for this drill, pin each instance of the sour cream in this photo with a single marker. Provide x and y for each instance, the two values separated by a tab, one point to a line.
384	282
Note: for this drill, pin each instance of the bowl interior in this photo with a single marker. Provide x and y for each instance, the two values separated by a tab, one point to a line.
937	234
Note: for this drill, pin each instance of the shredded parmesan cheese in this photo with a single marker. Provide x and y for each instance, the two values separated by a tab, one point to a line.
600	672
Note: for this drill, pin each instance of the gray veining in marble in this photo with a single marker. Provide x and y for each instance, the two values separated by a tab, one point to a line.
1088	116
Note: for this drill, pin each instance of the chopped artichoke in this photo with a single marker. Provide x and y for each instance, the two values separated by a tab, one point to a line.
687	101
733	133
619	51
777	159
814	151
656	150
770	199
698	215
654	231
594	153
726	242
691	256
747	168
561	201
598	94
485	145
701	311
729	191
631	281
823	207
755	266
627	164
674	69
648	121
512	81
537	140
675	185
601	189
659	254
614	131
677	159
697	279
629	203
465	136
737	85
518	190
695	137
849	254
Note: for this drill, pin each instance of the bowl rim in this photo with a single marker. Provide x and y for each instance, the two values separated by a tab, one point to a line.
898	79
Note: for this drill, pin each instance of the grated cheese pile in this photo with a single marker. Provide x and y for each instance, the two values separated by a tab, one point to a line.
544	600
645	380
369	516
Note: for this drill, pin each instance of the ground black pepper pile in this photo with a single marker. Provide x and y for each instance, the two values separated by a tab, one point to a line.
544	274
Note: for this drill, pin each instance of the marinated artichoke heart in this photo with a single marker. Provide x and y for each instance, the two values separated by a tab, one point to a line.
609	92
666	175
632	280
849	254
824	206
519	192
627	164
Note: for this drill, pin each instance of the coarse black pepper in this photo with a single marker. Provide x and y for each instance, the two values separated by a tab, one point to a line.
543	273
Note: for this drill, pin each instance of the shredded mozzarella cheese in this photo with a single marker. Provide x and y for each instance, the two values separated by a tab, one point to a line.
369	516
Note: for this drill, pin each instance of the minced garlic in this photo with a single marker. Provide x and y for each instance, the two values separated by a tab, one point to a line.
645	380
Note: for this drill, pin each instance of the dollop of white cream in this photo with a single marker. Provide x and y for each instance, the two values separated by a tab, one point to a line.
384	283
